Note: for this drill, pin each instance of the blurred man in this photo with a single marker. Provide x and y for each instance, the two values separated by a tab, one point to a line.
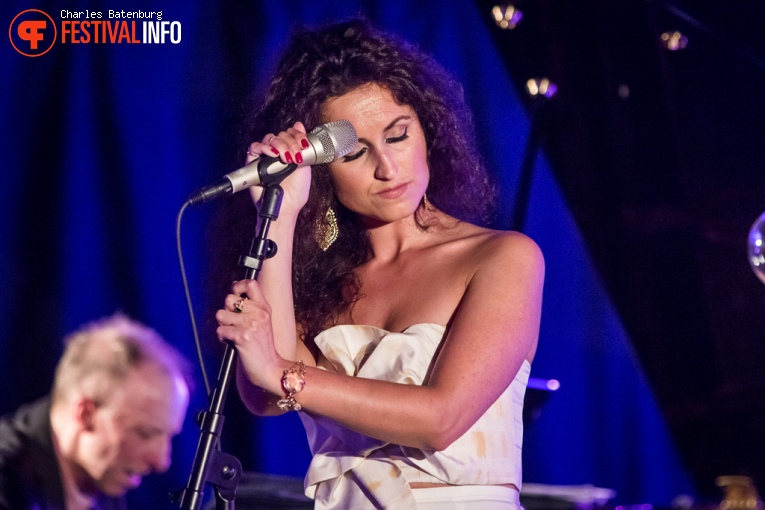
120	395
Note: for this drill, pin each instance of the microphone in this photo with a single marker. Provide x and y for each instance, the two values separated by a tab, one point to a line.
326	143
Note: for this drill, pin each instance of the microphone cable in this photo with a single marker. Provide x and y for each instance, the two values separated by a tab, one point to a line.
194	329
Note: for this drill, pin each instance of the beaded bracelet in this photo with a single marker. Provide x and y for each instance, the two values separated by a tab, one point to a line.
293	382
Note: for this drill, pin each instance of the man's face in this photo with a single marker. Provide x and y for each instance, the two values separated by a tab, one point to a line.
131	434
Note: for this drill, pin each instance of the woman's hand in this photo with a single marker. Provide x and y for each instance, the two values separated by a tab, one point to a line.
245	321
286	146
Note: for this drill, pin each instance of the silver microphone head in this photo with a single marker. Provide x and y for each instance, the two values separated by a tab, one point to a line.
337	139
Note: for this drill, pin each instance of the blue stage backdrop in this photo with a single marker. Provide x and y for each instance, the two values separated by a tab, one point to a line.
102	143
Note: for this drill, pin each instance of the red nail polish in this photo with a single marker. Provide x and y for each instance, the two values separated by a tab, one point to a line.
287	157
298	158
275	151
304	143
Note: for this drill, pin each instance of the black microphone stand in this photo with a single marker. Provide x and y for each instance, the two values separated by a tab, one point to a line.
211	465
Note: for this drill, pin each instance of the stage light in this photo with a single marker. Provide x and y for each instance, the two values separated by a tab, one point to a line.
536	383
541	87
756	248
506	16
674	41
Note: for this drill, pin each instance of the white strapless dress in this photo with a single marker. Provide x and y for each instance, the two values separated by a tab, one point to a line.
353	471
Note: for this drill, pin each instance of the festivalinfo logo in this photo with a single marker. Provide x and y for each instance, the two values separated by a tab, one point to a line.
34	32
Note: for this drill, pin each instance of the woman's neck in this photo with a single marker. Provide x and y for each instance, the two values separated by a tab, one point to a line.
390	240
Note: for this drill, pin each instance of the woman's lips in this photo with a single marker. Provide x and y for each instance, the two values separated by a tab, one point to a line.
394	192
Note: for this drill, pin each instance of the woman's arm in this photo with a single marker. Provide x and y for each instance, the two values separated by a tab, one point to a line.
275	278
494	329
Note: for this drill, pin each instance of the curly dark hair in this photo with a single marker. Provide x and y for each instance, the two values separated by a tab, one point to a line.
330	62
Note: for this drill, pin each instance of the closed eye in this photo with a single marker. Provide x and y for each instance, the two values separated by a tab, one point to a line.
145	434
352	157
399	138
348	159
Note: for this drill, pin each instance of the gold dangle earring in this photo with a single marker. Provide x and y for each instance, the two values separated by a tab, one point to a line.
327	229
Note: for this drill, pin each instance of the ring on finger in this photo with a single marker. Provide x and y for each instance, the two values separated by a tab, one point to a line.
239	305
269	139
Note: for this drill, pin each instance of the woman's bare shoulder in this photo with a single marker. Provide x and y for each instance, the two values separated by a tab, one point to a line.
495	254
486	244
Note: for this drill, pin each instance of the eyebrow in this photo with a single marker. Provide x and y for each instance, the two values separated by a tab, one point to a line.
392	123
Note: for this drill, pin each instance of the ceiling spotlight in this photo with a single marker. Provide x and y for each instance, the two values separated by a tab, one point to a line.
674	41
756	247
541	87
506	16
